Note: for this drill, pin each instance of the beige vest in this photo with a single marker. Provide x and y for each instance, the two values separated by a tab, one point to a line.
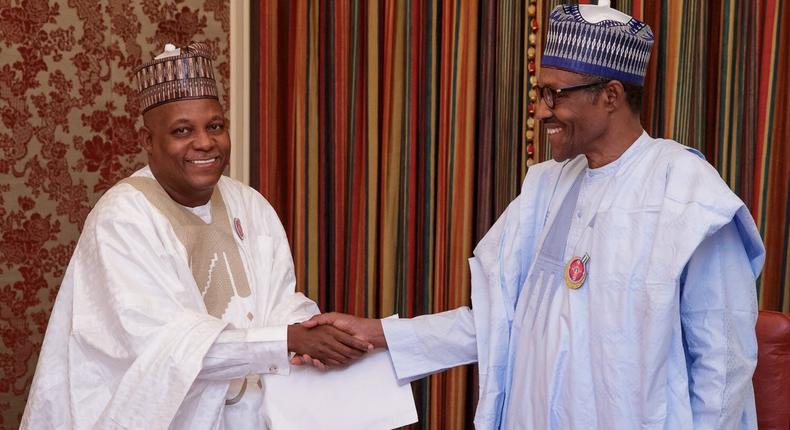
211	249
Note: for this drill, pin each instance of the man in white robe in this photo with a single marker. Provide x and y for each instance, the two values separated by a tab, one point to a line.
181	289
617	291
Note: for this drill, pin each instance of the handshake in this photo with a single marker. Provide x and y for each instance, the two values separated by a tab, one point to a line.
333	339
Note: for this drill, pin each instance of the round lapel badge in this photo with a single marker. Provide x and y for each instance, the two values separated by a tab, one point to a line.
239	230
576	272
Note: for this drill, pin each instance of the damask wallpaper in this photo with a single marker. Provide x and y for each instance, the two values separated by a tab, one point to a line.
69	132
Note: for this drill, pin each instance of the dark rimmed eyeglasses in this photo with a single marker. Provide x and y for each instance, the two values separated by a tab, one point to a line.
549	94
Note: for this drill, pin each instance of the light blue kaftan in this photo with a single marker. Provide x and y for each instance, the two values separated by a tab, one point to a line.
660	336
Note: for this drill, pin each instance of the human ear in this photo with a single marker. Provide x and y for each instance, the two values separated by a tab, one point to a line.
146	138
614	95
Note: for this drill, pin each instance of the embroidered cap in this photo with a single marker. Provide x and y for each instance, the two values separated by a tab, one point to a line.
177	74
598	40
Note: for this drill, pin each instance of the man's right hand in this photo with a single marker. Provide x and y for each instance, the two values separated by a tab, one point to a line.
325	345
365	329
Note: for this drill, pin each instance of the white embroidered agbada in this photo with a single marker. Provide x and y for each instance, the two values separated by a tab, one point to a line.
661	334
130	343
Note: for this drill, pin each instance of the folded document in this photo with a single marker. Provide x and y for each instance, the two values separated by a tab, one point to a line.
364	395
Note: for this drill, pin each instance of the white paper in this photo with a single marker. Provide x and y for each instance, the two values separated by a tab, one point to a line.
365	395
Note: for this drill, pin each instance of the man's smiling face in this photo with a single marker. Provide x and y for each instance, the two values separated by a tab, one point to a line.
578	119
188	148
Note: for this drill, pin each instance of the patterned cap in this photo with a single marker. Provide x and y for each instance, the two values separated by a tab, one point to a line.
608	47
177	74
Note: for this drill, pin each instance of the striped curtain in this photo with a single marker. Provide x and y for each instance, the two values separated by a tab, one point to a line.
369	119
392	134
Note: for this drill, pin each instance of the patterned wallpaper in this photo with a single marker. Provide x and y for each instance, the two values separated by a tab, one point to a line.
69	132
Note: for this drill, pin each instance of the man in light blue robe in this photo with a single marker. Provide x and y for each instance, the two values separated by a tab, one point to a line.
617	291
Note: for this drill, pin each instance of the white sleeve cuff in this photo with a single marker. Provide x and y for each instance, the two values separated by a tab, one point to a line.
404	347
239	352
268	349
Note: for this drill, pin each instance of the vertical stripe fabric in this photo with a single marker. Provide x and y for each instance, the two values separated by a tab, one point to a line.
367	150
391	137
